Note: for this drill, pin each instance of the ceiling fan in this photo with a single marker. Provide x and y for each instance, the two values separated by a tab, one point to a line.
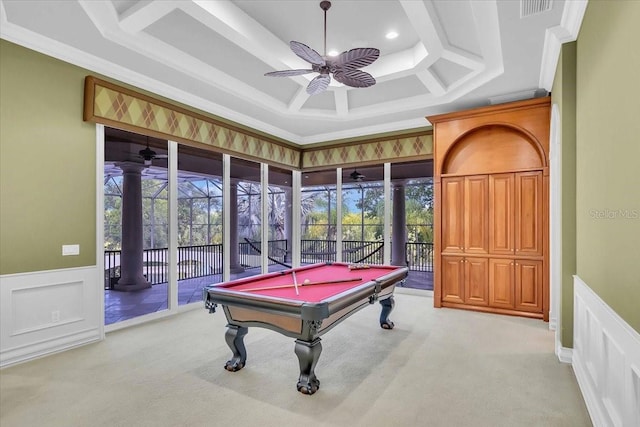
344	67
357	176
147	154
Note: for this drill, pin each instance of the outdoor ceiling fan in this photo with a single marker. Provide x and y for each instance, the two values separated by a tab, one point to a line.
357	176
344	67
148	155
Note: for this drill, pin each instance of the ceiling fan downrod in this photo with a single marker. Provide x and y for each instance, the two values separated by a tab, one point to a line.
325	5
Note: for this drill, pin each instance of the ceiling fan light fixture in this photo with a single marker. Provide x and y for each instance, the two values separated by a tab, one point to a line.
357	176
147	154
344	67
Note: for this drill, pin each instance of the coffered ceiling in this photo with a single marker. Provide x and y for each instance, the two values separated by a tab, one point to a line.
212	55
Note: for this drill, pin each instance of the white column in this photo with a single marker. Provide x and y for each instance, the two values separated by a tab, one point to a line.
296	212
226	218
338	214
386	235
100	221
264	217
172	255
555	226
288	222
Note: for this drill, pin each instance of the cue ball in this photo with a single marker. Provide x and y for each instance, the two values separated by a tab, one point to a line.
306	281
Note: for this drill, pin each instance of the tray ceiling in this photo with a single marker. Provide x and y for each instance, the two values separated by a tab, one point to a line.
212	55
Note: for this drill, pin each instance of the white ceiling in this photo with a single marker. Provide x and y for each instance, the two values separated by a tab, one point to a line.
212	55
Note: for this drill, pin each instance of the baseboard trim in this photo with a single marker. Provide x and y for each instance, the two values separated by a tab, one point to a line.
565	354
605	359
47	347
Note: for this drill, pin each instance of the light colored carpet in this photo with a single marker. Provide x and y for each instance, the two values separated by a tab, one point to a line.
438	367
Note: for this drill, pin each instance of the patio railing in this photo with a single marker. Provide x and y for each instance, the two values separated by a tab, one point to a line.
419	256
250	255
206	260
193	261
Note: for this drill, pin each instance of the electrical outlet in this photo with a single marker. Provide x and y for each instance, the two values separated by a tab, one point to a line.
55	316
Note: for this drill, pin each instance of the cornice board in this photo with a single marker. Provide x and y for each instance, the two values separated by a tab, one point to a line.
116	106
393	150
112	105
374	137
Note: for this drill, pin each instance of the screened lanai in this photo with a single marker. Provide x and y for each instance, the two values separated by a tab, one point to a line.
199	237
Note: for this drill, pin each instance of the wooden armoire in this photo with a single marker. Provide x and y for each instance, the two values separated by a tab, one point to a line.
491	182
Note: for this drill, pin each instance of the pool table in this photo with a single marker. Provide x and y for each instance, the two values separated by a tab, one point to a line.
327	293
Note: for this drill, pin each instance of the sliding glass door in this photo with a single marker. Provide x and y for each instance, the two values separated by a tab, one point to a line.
135	225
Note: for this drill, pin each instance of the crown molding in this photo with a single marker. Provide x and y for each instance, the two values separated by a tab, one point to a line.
566	32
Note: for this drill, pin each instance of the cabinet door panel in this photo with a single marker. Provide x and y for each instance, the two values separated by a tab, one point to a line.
453	214
476	273
452	279
528	213
476	211
528	285
501	214
501	283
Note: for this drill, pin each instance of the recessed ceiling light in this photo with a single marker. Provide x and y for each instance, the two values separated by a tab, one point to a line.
391	35
333	53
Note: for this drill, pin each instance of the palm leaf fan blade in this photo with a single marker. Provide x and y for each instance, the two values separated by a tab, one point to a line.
356	58
306	53
288	73
318	84
354	78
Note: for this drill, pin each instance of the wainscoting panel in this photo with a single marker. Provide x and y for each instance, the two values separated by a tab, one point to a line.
47	312
606	360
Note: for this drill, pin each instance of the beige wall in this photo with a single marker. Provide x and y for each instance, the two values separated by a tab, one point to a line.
607	155
47	164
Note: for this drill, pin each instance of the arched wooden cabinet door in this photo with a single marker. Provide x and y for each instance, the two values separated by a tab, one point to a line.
491	243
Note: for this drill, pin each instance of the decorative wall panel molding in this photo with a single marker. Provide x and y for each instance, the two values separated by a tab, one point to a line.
606	360
47	312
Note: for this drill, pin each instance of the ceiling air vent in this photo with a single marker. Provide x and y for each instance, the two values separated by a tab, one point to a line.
533	7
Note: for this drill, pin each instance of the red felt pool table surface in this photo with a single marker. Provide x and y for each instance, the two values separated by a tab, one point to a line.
313	273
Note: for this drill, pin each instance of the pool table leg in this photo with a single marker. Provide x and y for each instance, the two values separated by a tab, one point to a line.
235	340
387	305
308	354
